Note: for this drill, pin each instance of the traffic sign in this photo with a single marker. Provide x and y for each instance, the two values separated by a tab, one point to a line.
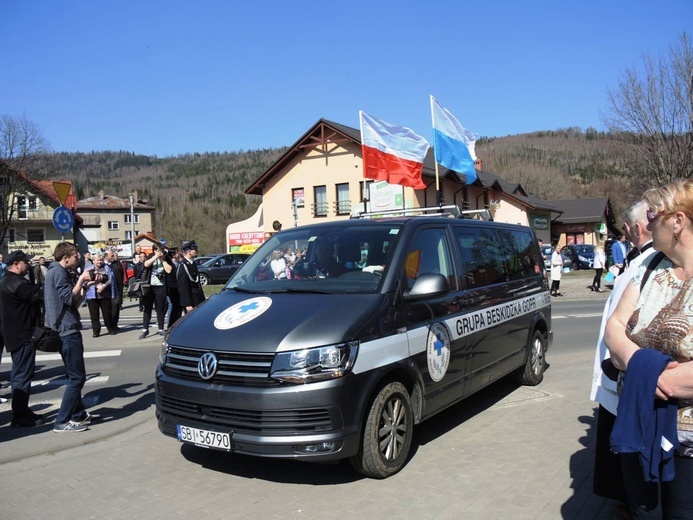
63	219
62	190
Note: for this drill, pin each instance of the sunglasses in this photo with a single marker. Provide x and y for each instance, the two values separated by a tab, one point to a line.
652	216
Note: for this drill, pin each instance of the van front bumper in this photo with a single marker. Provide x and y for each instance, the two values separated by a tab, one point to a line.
316	421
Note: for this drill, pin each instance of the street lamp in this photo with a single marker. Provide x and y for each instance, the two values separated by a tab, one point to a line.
132	224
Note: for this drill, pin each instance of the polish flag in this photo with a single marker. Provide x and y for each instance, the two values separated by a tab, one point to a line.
392	153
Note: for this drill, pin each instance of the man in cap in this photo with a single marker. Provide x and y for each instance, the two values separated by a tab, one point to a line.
188	278
21	309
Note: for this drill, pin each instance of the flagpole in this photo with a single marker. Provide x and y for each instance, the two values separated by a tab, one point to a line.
439	198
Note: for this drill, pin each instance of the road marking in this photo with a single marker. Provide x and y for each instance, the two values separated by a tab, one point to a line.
56	356
591	315
94	380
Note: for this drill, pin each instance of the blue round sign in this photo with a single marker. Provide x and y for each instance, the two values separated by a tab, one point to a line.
63	219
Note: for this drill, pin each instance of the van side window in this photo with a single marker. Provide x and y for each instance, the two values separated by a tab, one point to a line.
429	253
518	248
482	259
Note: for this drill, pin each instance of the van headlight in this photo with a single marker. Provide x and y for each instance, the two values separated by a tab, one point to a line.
314	364
163	353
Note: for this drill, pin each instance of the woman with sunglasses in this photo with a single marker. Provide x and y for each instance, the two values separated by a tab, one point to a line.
650	337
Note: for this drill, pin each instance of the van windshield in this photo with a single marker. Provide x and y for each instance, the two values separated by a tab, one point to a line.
344	257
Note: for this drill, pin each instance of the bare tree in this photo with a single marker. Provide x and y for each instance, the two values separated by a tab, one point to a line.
651	110
23	148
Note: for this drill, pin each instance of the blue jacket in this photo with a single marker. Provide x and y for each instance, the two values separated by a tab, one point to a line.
617	253
643	421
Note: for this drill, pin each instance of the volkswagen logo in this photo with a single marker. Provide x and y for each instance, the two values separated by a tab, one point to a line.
207	366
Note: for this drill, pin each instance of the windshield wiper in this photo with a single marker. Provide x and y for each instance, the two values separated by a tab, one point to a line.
292	290
242	289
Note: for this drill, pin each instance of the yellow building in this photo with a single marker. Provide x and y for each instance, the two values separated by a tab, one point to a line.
31	228
320	178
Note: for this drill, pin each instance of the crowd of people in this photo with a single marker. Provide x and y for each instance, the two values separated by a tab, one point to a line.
643	377
35	295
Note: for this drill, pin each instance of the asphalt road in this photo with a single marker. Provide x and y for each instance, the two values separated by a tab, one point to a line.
508	452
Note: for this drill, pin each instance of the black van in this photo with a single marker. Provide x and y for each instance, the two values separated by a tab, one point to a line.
374	326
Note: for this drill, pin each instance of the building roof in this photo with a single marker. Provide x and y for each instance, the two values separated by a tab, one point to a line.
110	202
578	211
46	190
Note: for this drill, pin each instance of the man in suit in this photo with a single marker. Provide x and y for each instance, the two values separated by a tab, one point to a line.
120	279
618	253
188	278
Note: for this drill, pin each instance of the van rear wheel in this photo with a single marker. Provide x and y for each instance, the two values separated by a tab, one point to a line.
533	372
387	433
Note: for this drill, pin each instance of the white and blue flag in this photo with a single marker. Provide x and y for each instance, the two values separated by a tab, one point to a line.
453	144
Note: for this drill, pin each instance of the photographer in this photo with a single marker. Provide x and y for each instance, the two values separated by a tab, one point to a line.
100	296
156	268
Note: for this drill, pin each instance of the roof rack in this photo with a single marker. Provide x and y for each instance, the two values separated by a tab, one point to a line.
450	211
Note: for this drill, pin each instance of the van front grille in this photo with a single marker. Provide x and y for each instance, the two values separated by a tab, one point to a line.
234	368
270	422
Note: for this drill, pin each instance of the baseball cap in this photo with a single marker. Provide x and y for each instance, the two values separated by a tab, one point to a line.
18	256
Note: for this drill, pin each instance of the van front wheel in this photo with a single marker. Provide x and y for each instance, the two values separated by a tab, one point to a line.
387	434
533	372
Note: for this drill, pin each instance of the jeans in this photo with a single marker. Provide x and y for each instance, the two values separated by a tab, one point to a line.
652	500
72	353
23	369
156	297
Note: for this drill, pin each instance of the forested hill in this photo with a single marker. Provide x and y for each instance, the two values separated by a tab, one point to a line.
198	195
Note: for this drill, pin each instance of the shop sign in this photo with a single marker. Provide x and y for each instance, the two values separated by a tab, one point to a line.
540	222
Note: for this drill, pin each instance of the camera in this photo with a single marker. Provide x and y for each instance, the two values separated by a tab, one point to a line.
97	277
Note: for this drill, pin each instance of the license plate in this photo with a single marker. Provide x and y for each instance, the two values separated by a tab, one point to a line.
204	438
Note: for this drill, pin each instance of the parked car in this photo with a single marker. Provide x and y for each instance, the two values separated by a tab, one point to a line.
220	268
582	255
202	259
547	251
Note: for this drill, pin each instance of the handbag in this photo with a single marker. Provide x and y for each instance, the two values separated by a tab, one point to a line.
47	339
137	288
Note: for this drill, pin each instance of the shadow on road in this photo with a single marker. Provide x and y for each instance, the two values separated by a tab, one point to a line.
297	472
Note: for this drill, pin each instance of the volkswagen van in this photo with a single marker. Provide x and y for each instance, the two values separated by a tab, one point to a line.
374	326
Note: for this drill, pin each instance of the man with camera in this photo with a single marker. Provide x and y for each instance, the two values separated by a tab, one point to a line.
63	294
21	302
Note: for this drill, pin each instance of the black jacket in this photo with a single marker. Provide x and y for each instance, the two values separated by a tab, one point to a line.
188	282
20	309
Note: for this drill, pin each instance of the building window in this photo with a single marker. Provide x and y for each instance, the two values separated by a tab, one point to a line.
35	235
298	197
113	225
320	206
11	235
128	220
128	234
343	202
364	189
25	205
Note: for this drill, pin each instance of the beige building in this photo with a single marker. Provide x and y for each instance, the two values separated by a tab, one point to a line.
320	178
32	229
110	221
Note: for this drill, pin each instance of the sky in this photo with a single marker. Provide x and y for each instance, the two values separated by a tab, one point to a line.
170	77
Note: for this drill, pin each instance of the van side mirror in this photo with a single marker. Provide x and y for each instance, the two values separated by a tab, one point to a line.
428	285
